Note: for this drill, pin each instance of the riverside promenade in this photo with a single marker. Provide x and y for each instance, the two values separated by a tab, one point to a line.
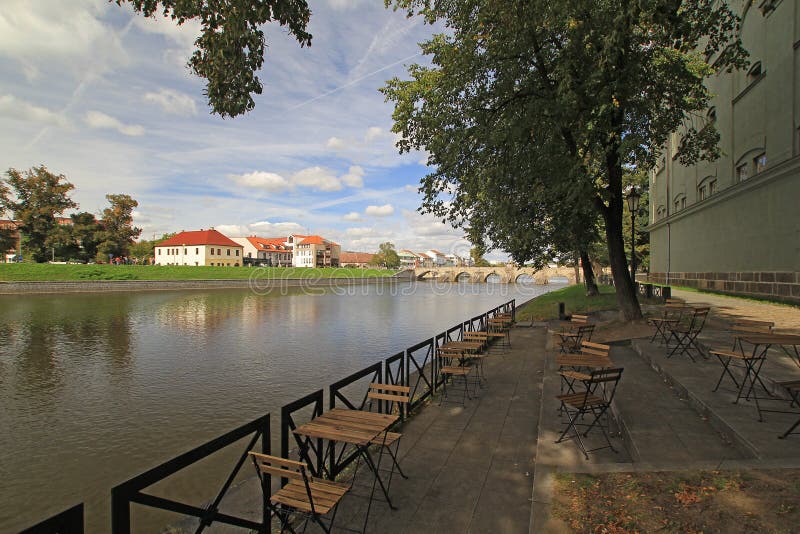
489	466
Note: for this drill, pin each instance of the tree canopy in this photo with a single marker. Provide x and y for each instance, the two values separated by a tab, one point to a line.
118	232
39	197
386	256
553	101
231	46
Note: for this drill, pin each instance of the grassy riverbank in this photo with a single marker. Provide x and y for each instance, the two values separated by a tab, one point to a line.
545	307
43	272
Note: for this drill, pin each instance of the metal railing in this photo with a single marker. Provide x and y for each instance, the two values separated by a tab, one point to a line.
132	491
308	446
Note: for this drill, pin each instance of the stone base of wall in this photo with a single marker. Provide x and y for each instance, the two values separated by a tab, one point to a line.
781	286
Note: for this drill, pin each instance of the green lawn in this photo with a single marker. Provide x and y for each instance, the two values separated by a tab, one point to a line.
14	272
545	307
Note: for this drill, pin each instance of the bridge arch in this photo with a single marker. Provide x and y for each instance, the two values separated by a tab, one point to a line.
421	275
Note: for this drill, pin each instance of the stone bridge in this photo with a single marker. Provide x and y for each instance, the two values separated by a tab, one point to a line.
508	275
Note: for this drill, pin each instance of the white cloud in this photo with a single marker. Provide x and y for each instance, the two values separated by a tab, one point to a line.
318	178
354	177
410	188
173	102
352	216
261	229
380	211
268	181
184	35
97	119
373	132
360	231
336	143
15	108
344	4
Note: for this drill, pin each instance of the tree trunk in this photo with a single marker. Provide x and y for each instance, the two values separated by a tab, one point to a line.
612	214
576	258
588	275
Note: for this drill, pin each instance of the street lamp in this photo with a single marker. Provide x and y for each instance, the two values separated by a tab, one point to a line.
633	206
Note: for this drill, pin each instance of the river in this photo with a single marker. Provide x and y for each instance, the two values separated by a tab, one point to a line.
96	388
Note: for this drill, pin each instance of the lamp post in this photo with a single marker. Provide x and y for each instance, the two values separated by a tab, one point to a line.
633	206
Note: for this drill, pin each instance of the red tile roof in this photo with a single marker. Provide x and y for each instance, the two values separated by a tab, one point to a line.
355	257
268	243
199	237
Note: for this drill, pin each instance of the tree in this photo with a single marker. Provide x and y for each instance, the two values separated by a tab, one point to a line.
86	234
118	232
39	196
7	240
386	256
476	253
597	84
230	49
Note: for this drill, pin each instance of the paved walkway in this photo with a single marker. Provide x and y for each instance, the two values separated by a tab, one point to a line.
489	466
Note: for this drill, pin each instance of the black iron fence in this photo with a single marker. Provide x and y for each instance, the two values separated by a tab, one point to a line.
131	491
415	367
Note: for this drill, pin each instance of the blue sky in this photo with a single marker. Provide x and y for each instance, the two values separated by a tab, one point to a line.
103	96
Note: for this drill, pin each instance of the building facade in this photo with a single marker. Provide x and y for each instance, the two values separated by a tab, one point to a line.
314	251
199	248
355	259
733	225
265	251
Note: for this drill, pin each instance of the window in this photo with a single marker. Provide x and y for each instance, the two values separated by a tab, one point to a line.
712	187
229	251
677	205
701	192
219	253
760	162
237	252
741	172
159	252
184	252
683	203
197	251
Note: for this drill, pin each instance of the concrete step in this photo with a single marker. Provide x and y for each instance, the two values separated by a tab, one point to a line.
658	425
738	422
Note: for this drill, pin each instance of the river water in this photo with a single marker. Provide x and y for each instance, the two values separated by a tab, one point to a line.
96	388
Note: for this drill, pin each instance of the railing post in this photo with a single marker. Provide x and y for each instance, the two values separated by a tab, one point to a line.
514	310
120	510
266	448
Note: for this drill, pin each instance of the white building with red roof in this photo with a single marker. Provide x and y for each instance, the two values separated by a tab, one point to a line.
267	251
314	251
200	247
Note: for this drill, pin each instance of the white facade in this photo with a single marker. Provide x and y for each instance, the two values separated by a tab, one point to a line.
197	255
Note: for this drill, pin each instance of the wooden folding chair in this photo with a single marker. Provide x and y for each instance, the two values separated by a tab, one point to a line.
397	398
303	496
574	367
590	405
451	365
685	334
793	387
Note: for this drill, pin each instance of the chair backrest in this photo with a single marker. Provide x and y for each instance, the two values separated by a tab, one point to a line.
395	395
698	319
606	380
448	354
752	327
477	336
281	467
579	319
595	349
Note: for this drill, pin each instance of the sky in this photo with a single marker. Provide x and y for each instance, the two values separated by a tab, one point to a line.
103	96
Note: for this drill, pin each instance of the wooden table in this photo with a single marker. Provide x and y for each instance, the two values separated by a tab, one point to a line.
353	427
